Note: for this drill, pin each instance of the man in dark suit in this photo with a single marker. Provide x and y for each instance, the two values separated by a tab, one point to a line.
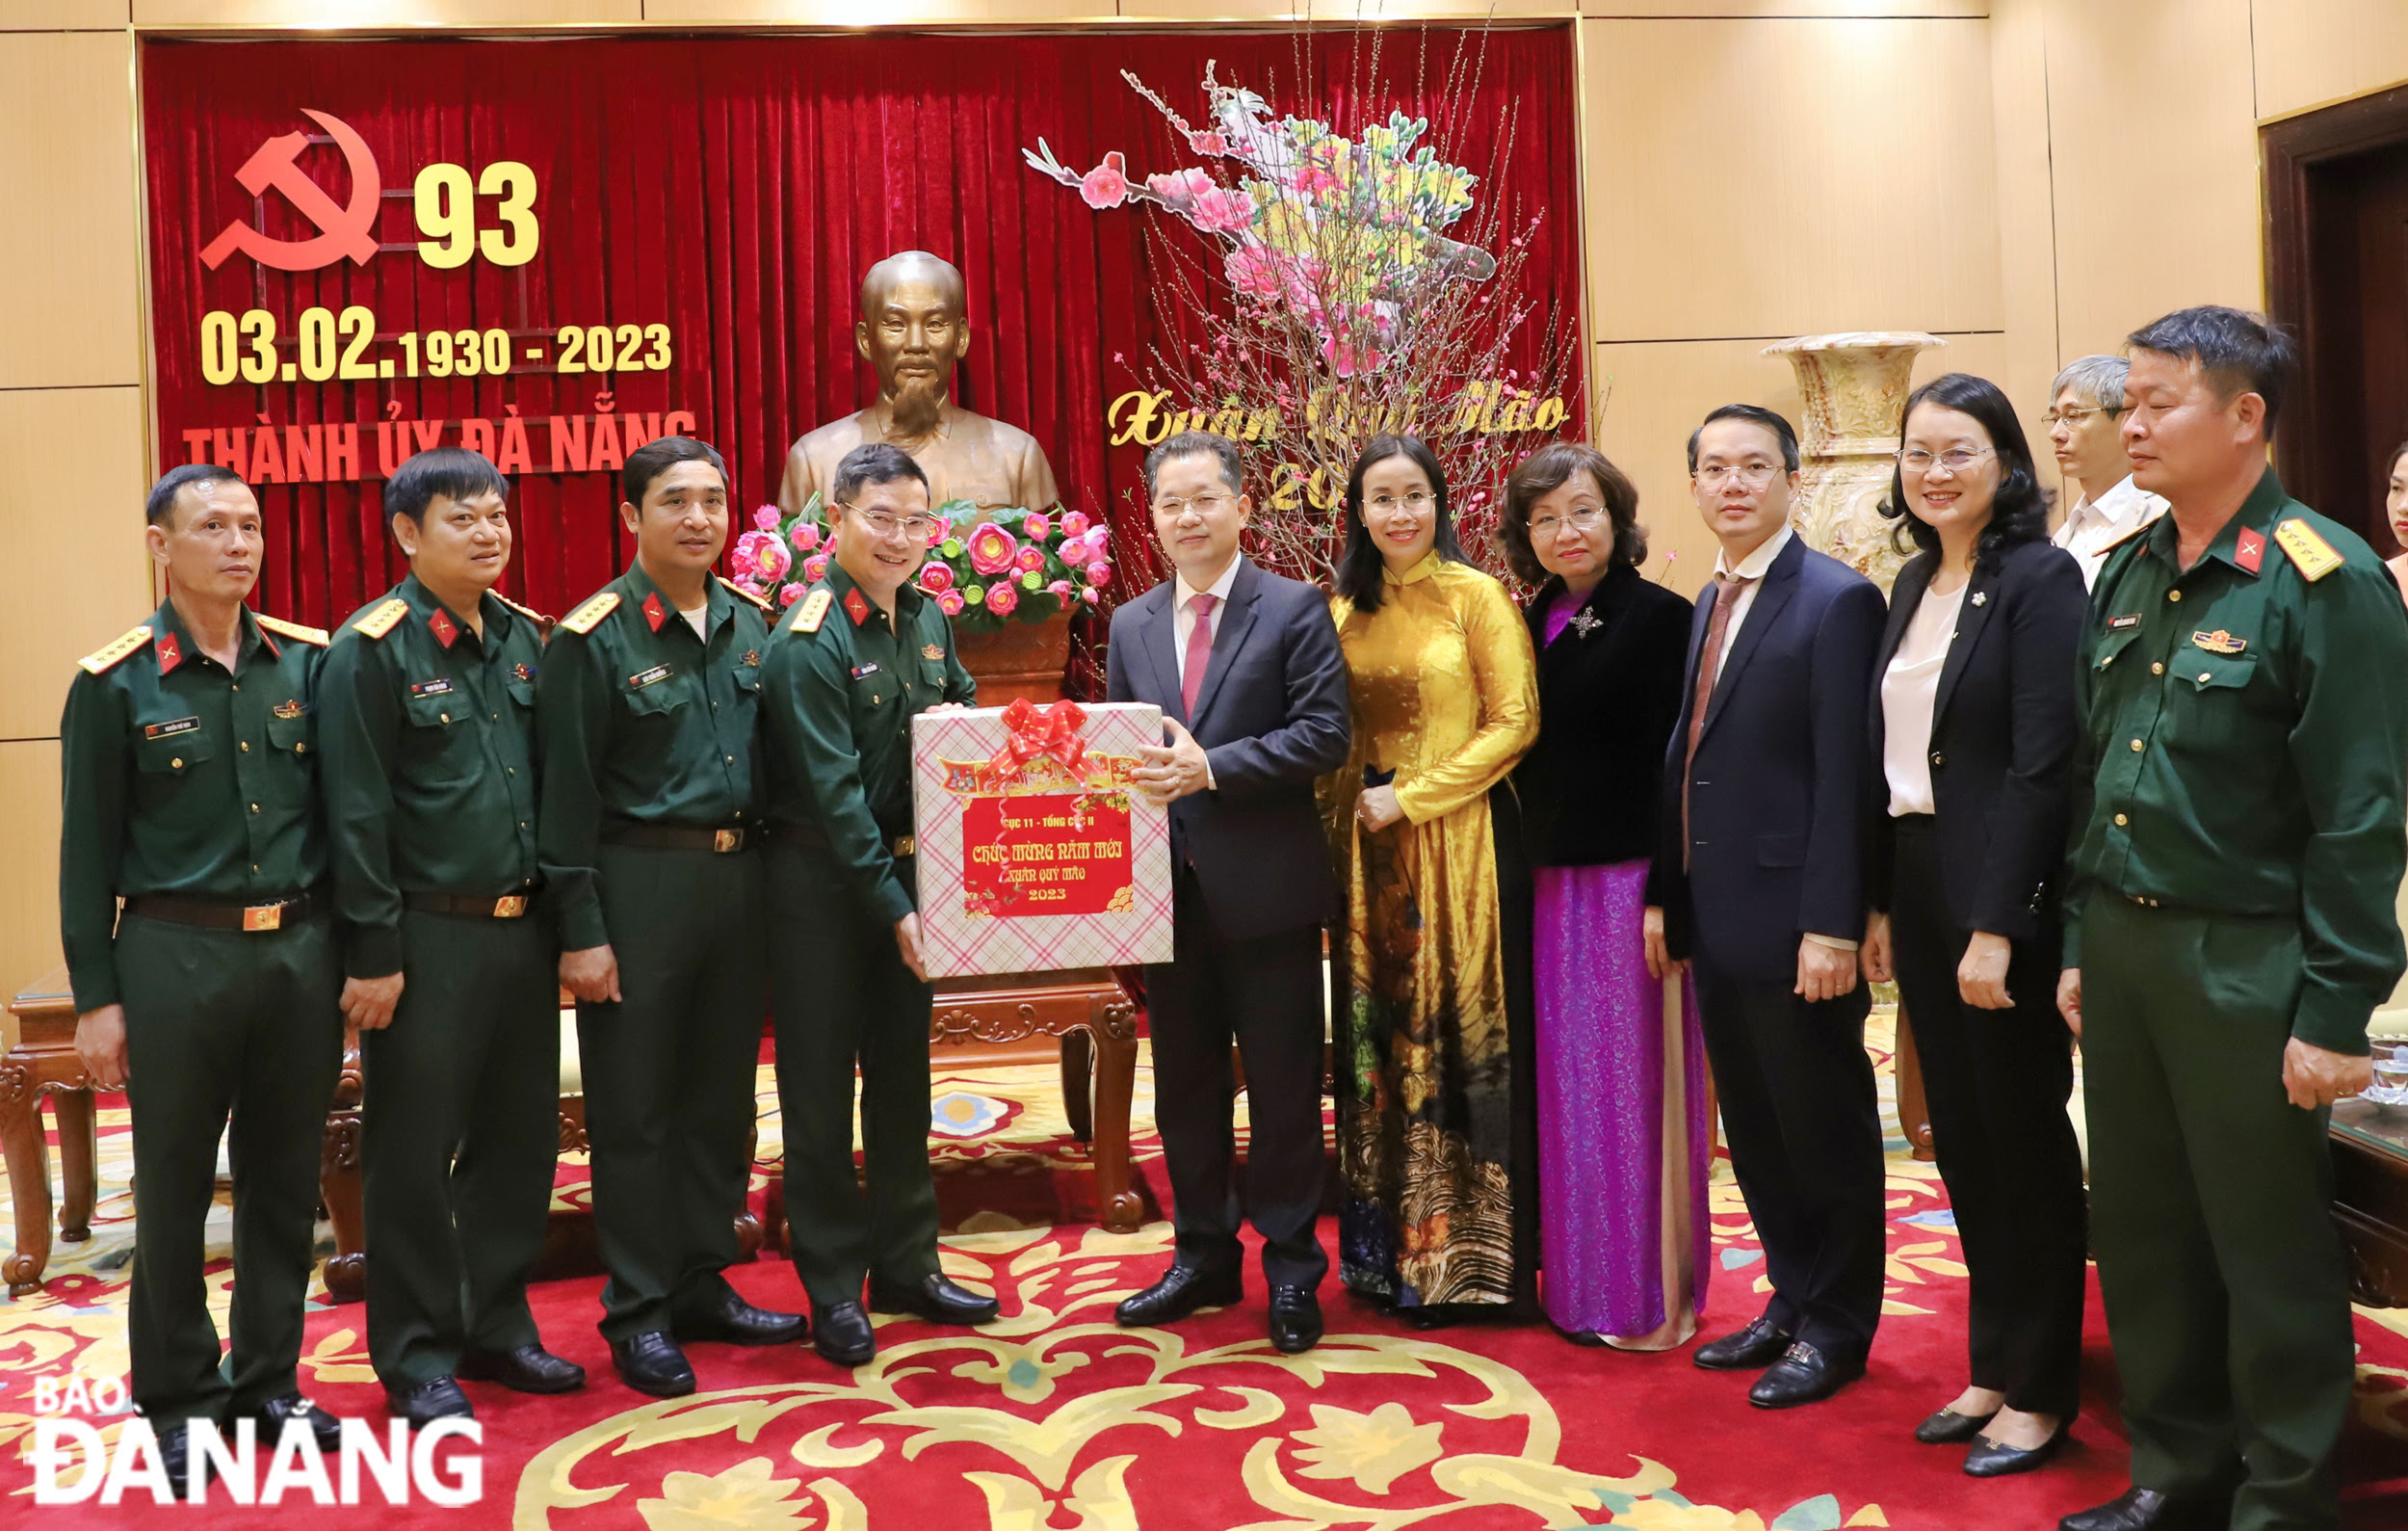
1246	669
1760	880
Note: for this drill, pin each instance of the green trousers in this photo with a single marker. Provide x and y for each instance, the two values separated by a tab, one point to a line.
668	1073
2227	1291
219	1025
459	1138
843	998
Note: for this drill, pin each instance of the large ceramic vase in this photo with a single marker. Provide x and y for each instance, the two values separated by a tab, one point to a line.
1853	387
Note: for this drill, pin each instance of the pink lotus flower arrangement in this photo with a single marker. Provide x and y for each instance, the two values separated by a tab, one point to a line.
1011	565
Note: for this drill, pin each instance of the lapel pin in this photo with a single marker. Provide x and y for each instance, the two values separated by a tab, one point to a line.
1980	597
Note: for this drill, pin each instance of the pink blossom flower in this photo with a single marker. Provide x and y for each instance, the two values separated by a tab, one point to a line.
767	518
770	556
1036	527
1099	572
936	578
1003	598
788	594
1348	357
951	603
1108	184
1074	523
1204	142
1314	179
943	529
740	564
1256	271
991	548
1029	560
1060	589
1089	596
805	535
1222	208
815	568
1181	187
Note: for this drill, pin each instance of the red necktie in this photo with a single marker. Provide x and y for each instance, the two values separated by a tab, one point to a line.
1200	654
1708	659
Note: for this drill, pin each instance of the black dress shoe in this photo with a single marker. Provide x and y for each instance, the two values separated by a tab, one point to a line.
2152	1510
1752	1349
324	1427
528	1369
428	1402
841	1333
1803	1375
175	1454
1988	1458
650	1362
1947	1427
1295	1319
1181	1290
936	1299
1426	1317
738	1322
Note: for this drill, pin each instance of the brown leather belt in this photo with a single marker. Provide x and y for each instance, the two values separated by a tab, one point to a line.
680	837
213	914
480	905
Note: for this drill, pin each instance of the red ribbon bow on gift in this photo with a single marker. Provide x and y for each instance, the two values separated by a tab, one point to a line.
1033	730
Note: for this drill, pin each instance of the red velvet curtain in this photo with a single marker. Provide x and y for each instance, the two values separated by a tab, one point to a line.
735	188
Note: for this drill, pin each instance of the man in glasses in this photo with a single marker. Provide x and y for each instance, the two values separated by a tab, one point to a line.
864	651
1246	669
647	710
2085	424
1760	880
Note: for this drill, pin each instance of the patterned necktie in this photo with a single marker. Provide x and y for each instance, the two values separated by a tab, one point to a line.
1709	660
1200	654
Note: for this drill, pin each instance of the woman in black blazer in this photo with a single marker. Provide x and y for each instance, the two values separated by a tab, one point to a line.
1971	729
1620	1071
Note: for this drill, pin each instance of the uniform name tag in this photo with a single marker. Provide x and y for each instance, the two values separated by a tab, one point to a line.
644	677
171	728
859	670
2116	625
438	687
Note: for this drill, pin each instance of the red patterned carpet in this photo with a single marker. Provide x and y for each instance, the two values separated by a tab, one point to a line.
1056	1420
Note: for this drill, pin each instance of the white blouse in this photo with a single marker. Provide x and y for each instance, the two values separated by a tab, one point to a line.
1908	688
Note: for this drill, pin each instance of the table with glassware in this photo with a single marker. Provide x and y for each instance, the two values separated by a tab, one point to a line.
2370	1180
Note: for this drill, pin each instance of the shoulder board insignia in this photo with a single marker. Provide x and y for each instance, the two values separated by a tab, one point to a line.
2120	538
530	613
586	617
2315	556
742	594
284	629
383	620
101	660
807	617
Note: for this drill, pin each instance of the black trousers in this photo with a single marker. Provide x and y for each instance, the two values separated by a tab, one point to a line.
1997	1082
1803	1124
1265	995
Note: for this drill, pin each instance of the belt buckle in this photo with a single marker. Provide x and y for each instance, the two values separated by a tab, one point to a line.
510	907
263	917
907	845
723	841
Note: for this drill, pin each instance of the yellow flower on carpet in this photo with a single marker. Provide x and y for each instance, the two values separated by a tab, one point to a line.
744	1496
1373	1449
1662	1515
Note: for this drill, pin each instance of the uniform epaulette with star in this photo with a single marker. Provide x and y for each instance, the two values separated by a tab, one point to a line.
383	620
740	592
284	629
813	611
528	612
586	617
101	660
2313	554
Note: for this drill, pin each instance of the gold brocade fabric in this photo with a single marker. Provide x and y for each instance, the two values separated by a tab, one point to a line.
1445	695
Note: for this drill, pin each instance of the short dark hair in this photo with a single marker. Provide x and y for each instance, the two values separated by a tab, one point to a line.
874	463
657	457
2239	351
2018	512
1360	567
454	471
1755	414
1547	470
1198	443
160	507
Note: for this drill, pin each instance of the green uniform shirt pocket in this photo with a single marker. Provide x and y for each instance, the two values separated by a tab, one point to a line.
747	677
174	746
522	692
2112	645
659	694
873	689
437	748
2207	671
289	735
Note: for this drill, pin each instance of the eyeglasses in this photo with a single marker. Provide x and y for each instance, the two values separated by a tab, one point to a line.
1583	519
1752	475
1174	507
2073	418
1414	504
883	525
1956	458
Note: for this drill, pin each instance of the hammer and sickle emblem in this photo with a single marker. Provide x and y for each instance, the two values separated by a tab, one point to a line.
341	230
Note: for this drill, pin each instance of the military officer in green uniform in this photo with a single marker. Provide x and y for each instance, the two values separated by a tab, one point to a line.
427	721
2237	842
863	652
650	836
191	764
